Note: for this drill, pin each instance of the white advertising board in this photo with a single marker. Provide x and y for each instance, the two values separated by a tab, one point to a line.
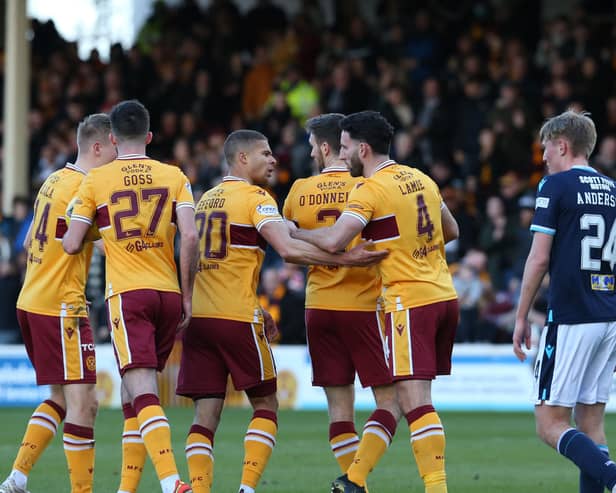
484	377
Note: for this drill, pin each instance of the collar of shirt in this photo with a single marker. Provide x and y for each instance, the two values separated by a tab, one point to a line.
234	178
74	167
384	164
132	156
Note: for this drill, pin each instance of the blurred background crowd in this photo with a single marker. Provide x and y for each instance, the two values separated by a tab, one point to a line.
466	85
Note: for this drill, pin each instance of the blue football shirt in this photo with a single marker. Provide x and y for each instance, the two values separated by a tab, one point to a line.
578	208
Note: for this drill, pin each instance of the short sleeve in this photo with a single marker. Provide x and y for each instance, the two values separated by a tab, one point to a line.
84	209
287	208
361	203
263	209
546	207
184	197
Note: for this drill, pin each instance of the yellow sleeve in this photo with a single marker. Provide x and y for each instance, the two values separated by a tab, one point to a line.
85	204
362	202
263	209
184	195
287	208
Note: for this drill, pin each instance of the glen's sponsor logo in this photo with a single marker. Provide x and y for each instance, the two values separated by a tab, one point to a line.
332	185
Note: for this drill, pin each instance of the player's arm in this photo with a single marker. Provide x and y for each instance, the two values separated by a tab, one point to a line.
451	231
72	241
536	266
188	259
331	238
298	251
100	246
81	217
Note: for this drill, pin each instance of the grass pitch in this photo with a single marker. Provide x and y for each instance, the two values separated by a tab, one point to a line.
486	452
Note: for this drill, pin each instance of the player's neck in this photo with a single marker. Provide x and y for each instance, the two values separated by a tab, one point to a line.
238	175
574	161
129	149
83	165
333	162
373	164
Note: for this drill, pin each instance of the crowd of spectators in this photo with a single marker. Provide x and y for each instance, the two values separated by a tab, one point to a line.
466	85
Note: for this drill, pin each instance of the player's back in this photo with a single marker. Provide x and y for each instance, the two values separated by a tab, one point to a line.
407	222
136	200
231	250
55	282
316	202
578	207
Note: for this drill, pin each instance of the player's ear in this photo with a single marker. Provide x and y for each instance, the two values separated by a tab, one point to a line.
148	138
325	149
363	149
96	147
113	140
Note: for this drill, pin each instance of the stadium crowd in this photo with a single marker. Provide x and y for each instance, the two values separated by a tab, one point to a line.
466	88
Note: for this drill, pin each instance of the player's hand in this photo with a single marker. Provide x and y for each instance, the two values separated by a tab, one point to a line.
521	334
269	324
292	227
364	255
186	312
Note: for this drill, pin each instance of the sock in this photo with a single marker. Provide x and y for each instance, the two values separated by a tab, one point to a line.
79	451
377	435
583	452
428	444
41	428
258	446
344	442
133	452
156	435
19	478
587	483
200	458
168	484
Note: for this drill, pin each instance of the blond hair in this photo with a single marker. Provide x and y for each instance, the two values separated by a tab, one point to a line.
93	127
575	126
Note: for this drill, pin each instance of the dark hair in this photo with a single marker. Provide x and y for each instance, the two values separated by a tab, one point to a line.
369	127
93	127
240	139
326	128
130	120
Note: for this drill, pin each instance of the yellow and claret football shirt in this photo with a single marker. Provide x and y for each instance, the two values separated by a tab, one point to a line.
133	201
231	250
55	282
316	202
401	210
